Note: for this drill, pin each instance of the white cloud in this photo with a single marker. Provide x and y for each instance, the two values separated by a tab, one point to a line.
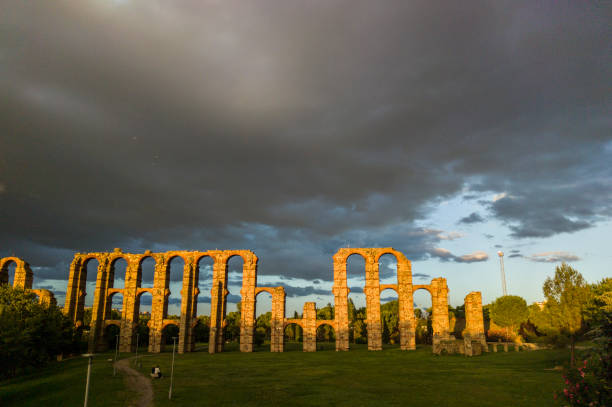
553	257
450	236
438	251
446	255
497	197
474	257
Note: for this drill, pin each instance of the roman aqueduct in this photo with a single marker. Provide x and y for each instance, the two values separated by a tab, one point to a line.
160	292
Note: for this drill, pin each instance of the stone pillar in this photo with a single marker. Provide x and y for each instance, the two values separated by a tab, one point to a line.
372	292
278	320
247	305
159	304
193	309
310	327
72	289
218	297
474	320
439	300
129	317
81	293
341	291
185	332
407	320
96	327
23	275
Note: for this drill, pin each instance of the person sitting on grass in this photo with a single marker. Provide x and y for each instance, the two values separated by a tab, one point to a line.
156	372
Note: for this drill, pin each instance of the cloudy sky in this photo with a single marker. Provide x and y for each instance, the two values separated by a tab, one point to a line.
447	130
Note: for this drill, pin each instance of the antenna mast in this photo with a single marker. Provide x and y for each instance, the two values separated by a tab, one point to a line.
503	274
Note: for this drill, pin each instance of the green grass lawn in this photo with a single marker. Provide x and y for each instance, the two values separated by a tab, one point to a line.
359	378
63	384
355	378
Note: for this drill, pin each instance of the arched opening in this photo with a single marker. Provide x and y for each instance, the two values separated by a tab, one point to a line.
11	269
387	269
293	337
144	300
389	317
169	333
233	304
91	275
147	272
326	337
357	313
115	309
118	271
422	314
112	333
176	267
204	281
263	321
235	265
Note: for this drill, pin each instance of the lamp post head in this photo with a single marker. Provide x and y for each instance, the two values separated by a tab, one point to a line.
500	253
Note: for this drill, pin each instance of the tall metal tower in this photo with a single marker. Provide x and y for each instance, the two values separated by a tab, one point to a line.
503	275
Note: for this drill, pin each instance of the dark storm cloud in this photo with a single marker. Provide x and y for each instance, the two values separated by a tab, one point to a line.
473	217
294	129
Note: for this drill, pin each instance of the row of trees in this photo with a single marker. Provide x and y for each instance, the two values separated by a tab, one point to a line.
32	334
572	310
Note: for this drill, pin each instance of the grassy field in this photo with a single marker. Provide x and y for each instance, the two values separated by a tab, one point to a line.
63	384
355	378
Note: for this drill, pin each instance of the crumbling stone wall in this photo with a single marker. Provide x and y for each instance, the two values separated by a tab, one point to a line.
309	325
372	291
277	341
23	278
132	290
474	319
160	292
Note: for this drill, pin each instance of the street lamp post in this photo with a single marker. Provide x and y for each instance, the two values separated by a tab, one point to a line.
90	356
172	370
503	274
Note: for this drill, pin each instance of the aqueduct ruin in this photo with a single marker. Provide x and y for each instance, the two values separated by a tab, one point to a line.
23	278
474	334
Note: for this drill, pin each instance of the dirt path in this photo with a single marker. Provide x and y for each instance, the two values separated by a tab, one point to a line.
137	383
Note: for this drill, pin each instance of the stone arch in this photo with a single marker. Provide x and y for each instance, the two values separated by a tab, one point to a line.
45	297
5	264
112	268
294	337
219	294
372	291
319	333
141	270
438	290
259	290
424	287
268	293
170	328
111	333
171	322
110	296
293	321
179	262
